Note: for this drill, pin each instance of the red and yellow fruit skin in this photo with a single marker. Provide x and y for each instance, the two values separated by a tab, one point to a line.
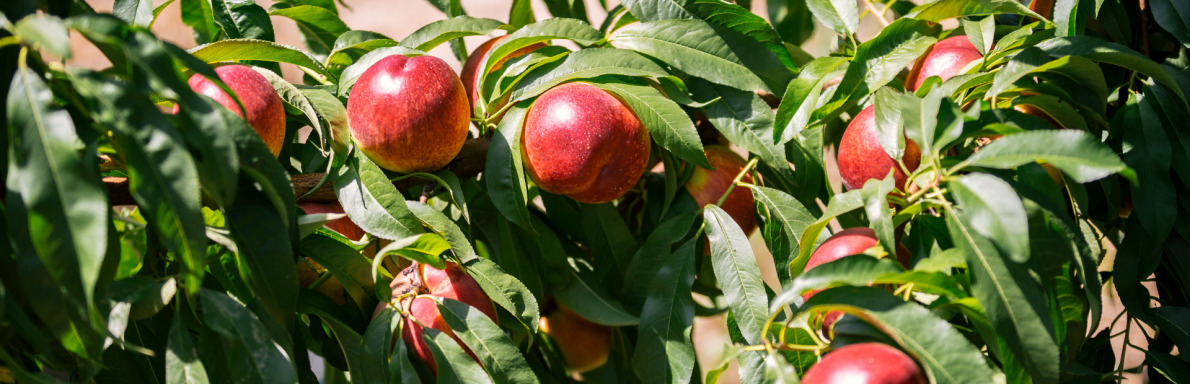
708	185
265	111
944	59
862	158
470	72
451	283
584	345
850	241
583	142
409	114
865	363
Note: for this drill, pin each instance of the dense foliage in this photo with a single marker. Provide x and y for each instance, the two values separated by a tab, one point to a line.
144	245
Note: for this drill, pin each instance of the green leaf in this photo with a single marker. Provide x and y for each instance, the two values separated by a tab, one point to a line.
664	350
162	175
350	44
875	194
1174	17
1011	298
438	222
739	18
890	132
792	217
744	118
197	14
252	355
802	95
1076	153
708	51
1111	53
504	173
539	32
372	202
839	204
584	296
947	9
879	60
68	207
654	10
433	34
738	275
650	257
454	364
496	352
425	248
1151	156
44	32
994	211
1172	368
981	33
256	50
946	355
262	237
375	345
668	124
839	15
792	19
294	97
242	19
585	64
182	364
520	13
321	26
506	291
351	269
139	12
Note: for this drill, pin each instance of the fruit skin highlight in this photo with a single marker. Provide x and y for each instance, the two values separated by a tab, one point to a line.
584	345
265	111
862	158
470	73
865	363
943	59
585	143
420	280
409	114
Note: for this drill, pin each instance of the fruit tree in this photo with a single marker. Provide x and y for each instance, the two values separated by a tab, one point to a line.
860	191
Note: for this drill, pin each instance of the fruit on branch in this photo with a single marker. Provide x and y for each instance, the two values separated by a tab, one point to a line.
585	143
470	73
265	111
865	363
420	280
344	226
708	185
584	345
409	114
944	59
850	241
862	158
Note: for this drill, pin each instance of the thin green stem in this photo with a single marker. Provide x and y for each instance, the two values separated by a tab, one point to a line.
747	168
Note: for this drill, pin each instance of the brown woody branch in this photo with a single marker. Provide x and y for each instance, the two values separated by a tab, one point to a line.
467	164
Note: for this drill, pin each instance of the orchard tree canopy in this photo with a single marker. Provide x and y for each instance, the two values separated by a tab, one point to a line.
981	191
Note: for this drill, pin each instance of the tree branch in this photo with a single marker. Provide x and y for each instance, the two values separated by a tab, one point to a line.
469	163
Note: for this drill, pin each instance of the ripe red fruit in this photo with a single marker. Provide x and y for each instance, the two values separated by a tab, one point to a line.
944	59
265	112
850	241
865	363
584	345
409	114
451	283
585	143
470	73
708	185
344	225
862	158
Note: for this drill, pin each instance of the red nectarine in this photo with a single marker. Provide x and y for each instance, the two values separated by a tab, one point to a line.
944	59
865	363
862	158
265	111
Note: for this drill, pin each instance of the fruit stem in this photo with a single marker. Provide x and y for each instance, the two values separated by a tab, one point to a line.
747	168
315	75
322	278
